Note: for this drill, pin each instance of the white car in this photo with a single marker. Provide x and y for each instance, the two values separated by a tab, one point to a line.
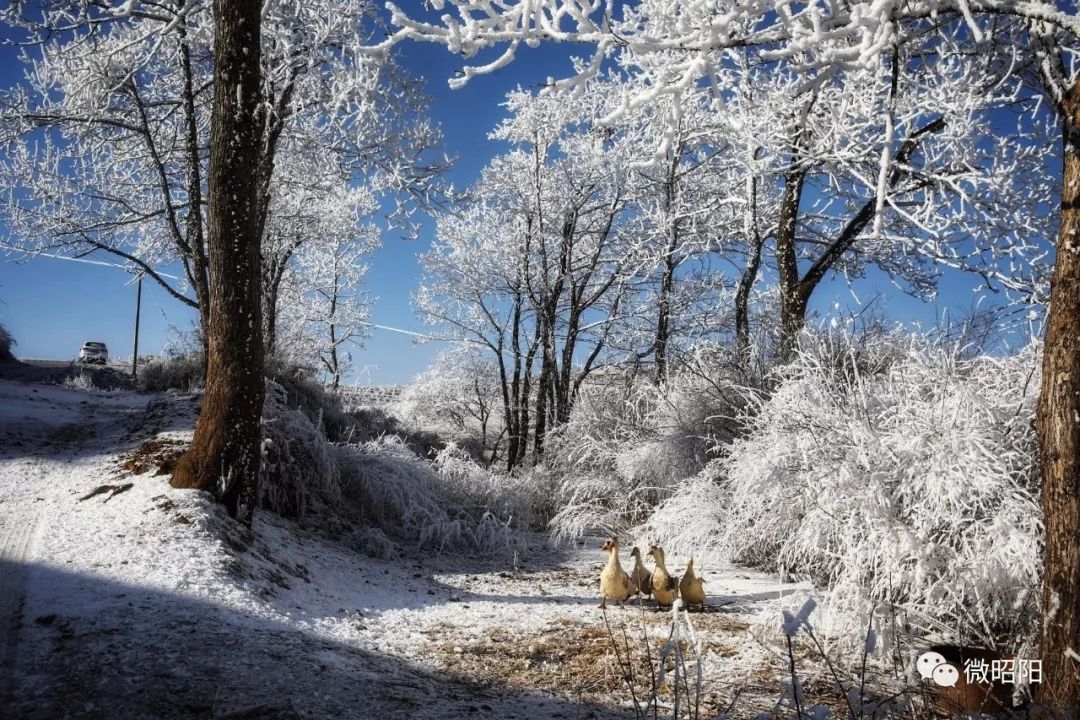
94	352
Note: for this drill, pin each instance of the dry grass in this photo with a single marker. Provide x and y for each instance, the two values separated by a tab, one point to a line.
158	455
567	659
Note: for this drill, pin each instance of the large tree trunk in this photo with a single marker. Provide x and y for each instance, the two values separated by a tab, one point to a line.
225	454
1059	440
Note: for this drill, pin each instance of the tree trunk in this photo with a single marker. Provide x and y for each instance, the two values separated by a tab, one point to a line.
523	398
543	391
194	221
335	365
749	274
512	400
792	304
663	315
1059	440
225	453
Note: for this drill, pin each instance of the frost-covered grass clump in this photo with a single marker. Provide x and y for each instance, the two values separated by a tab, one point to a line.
300	471
178	372
518	500
903	481
378	492
405	498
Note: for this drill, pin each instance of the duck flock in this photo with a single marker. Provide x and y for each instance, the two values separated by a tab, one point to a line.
618	585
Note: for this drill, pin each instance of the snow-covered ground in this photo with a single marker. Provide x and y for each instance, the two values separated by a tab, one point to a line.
150	603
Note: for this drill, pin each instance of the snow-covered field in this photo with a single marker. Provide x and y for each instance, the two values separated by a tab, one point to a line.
150	603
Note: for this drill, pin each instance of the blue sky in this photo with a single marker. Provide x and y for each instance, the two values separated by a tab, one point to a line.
52	306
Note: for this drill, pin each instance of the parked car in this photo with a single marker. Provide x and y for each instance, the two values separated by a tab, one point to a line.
94	352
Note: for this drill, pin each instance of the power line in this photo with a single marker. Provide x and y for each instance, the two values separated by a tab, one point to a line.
101	263
127	268
419	335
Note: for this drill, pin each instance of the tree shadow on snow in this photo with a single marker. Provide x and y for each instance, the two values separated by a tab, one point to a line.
96	649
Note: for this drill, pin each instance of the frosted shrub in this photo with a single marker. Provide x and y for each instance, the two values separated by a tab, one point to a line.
380	487
299	469
373	542
474	488
304	393
395	491
80	380
894	478
627	445
403	496
181	372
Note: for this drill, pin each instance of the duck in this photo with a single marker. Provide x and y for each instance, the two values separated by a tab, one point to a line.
640	577
690	587
664	587
614	582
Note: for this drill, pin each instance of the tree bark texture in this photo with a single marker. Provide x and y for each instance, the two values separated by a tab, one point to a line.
1058	426
225	453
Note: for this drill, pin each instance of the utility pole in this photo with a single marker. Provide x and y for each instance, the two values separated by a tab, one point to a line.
138	307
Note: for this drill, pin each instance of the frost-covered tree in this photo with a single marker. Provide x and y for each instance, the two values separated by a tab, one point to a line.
106	140
317	234
226	450
89	112
333	304
127	96
685	196
570	187
460	393
535	268
473	291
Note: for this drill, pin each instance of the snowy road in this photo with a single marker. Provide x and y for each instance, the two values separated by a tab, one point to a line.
152	604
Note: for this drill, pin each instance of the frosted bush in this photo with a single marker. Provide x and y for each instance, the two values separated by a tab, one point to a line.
393	490
90	379
902	480
80	380
458	396
628	444
299	468
380	487
181	372
373	542
480	491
